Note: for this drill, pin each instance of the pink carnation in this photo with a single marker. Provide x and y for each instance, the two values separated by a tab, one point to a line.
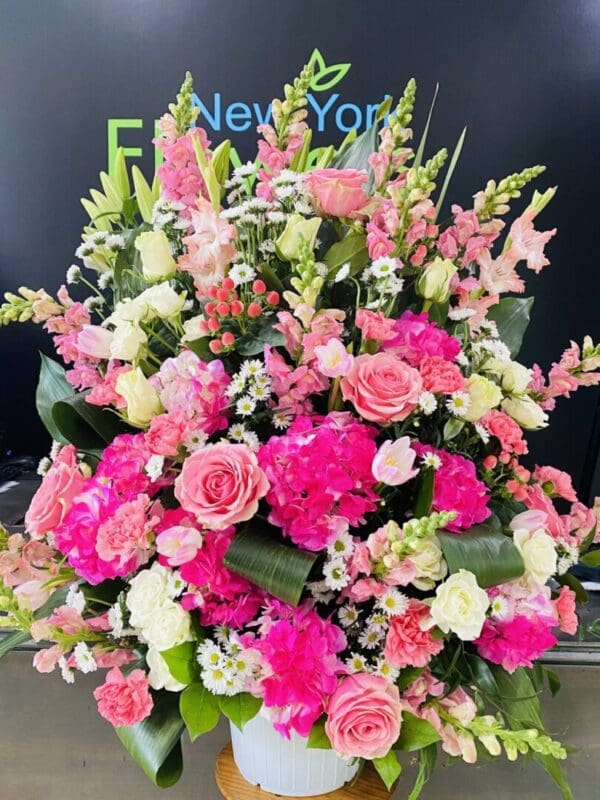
506	430
517	642
124	700
440	375
375	325
407	644
320	477
565	609
124	538
417	337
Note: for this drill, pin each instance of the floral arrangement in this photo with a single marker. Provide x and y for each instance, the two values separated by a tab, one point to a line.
287	462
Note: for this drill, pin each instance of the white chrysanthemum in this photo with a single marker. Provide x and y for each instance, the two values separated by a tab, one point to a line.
335	573
242	273
252	369
432	460
83	658
67	674
384	267
320	592
237	431
195	440
105	279
370	638
281	421
498	349
459	314
458	403
115	620
231	214
73	274
259	393
245	406
277	217
348	615
427	403
462	359
385	670
482	432
342	546
154	467
75	598
222	634
237	386
263	381
393	602
245	170
356	663
115	242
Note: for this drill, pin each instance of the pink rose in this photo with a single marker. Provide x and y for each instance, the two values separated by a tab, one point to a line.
61	484
407	644
338	192
363	716
382	387
124	700
221	485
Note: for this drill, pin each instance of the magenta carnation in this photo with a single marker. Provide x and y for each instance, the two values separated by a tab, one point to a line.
320	476
516	643
123	464
457	488
416	338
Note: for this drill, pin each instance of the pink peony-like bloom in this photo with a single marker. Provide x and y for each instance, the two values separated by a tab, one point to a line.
506	430
417	337
556	482
337	192
394	462
320	477
61	484
124	700
407	644
123	463
440	375
178	544
375	325
209	247
382	387
124	538
221	485
363	716
516	642
565	610
457	488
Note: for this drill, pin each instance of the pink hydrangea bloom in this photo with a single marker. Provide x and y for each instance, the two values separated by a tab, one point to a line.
457	488
123	463
320	474
417	337
516	642
124	700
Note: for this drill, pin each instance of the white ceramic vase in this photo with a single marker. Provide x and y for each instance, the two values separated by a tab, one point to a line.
284	767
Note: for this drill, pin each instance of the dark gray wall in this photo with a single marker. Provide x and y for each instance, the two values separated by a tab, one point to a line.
523	75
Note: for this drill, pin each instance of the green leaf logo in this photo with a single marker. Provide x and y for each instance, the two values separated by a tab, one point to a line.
325	77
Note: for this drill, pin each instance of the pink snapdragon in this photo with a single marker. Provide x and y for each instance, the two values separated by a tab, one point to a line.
179	174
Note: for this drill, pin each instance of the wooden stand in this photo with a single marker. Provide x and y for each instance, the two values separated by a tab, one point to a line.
233	787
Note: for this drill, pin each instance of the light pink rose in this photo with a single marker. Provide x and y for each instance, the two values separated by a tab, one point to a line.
338	192
363	716
221	485
124	700
61	484
382	387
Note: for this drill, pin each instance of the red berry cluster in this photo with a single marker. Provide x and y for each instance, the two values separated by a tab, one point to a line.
225	303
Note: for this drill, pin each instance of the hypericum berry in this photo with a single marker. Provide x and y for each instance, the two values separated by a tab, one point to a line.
209	309
259	287
213	324
222	309
254	310
227	284
212	292
222	294
237	308
228	338
273	298
489	462
215	346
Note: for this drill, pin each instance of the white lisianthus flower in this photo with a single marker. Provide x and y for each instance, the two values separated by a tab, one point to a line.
127	342
539	554
484	395
460	606
156	255
159	675
525	412
434	282
168	626
148	591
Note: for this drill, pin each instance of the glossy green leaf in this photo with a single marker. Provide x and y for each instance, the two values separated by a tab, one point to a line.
388	768
427	759
356	154
9	641
407	676
450	170
352	249
240	708
421	149
199	709
182	663
52	387
318	739
266	561
511	316
505	510
591	559
86	426
489	555
481	674
415	733
425	493
155	743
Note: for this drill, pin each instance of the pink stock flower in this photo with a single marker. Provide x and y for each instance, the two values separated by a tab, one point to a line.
375	325
221	485
382	387
209	247
555	482
107	659
61	484
407	643
290	327
439	375
337	192
417	337
320	477
124	700
394	462
363	716
178	544
457	488
528	244
565	610
292	387
517	642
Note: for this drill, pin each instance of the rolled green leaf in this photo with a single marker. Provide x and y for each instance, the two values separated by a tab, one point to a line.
52	387
281	569
488	554
86	426
511	316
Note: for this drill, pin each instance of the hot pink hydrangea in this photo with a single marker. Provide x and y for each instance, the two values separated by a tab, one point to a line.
301	650
417	337
222	597
123	464
124	700
457	488
320	476
516	642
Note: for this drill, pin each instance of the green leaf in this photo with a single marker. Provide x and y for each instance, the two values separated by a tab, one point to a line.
415	733
489	555
482	675
407	676
419	155
281	569
511	316
352	249
240	708
450	171
425	493
505	510
388	769
427	759
182	663
143	194
118	174
318	739
439	313
220	161
52	387
201	349
452	428
252	343
554	682
300	159
155	743
9	641
199	709
571	581
591	559
15	638
86	426
356	154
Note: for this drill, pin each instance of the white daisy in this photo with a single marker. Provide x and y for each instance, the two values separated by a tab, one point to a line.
482	432
385	670
216	679
432	460
237	431
427	403
342	546
378	621
370	638
281	421
251	440
336	576
393	602
242	273
500	608
208	654
252	368
356	663
458	403
245	406
383	267
348	615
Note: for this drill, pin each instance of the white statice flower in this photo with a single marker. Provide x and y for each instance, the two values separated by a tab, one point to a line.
237	431
154	467
73	274
385	670
245	406
482	432
356	663
342	273
75	598
342	546
322	269
348	615
84	659
384	267
427	403
67	674
458	403
393	603
460	314
43	466
370	638
115	620
432	460
336	575
55	450
281	421
105	279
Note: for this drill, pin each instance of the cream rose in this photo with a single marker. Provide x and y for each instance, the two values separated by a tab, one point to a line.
429	562
127	342
163	300
168	626
148	591
156	255
143	402
515	377
159	675
460	606
526	412
539	553
484	395
434	283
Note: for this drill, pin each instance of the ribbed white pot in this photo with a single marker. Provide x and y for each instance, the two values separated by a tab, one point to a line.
285	767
